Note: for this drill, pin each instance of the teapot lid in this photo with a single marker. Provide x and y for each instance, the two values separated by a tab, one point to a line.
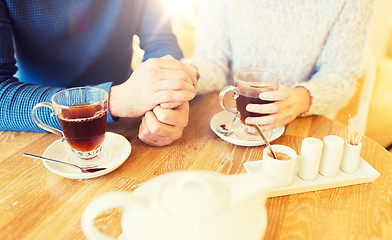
195	196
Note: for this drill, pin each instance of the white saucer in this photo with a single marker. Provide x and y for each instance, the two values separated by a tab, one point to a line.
115	150
237	138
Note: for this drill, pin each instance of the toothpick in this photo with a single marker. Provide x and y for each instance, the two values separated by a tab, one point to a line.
355	131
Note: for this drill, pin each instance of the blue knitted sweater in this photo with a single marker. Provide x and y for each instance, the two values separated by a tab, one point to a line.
46	46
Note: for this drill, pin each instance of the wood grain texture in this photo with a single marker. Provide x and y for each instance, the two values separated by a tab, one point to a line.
37	204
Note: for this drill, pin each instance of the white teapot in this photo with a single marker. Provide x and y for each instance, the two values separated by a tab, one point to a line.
189	205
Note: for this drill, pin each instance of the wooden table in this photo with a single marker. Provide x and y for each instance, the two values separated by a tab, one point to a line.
37	204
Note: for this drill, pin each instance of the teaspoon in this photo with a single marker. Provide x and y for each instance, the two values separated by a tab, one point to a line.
85	170
226	129
265	140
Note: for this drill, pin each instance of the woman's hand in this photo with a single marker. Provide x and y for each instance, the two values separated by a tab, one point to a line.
161	126
289	103
191	71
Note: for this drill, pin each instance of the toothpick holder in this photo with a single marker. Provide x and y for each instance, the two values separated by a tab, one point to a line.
351	156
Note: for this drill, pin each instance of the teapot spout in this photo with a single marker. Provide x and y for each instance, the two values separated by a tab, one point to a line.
249	187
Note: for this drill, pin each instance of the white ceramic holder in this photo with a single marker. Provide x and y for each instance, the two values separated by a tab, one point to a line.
282	171
309	160
331	155
350	159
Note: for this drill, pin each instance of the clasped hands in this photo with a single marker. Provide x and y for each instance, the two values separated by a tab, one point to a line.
158	91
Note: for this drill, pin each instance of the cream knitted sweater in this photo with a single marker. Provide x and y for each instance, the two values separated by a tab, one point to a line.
317	44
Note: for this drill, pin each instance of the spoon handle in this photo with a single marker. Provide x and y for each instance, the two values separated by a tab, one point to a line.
265	140
48	159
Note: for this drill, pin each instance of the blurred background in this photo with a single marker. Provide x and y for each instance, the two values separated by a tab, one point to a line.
379	119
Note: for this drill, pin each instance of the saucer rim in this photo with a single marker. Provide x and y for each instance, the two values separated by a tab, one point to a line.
110	136
239	142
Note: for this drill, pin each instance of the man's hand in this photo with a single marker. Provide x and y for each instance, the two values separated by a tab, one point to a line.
156	81
161	126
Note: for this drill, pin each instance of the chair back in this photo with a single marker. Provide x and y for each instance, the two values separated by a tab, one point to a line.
369	79
359	104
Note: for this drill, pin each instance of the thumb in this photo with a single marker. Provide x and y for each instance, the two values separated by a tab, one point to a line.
169	57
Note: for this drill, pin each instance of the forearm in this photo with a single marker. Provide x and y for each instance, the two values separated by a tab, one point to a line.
339	64
329	93
155	32
17	102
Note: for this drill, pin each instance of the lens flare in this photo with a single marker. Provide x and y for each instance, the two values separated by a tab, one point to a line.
180	6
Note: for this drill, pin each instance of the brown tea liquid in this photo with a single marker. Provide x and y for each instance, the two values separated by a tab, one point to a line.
84	127
249	96
279	156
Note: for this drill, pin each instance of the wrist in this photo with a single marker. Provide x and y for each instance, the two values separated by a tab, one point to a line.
114	104
195	71
305	99
121	103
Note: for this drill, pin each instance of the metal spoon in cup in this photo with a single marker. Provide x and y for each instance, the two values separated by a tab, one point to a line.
265	140
84	170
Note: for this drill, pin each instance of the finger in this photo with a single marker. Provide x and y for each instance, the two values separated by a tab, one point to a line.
166	62
169	57
266	128
169	67
174	84
264	120
180	74
171	105
144	132
271	121
166	96
280	94
160	129
262	108
149	137
191	72
178	117
169	62
154	142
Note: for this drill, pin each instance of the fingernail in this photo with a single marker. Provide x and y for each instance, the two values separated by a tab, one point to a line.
249	108
264	95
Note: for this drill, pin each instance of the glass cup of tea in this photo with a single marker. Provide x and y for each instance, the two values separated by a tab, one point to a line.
248	85
82	113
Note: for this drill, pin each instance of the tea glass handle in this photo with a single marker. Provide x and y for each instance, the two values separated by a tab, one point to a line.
235	96
40	123
105	202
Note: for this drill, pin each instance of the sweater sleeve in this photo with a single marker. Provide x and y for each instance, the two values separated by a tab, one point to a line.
17	99
339	65
155	32
212	50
